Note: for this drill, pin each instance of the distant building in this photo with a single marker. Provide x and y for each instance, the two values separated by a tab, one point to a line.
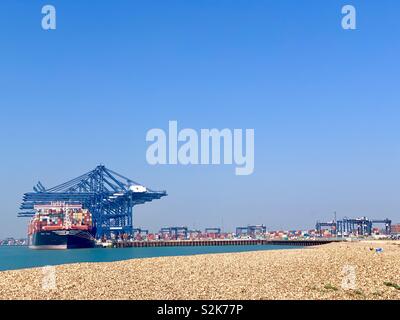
13	242
395	229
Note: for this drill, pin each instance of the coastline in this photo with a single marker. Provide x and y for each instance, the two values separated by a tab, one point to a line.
307	273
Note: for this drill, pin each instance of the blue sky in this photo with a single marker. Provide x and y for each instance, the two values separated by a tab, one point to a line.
323	101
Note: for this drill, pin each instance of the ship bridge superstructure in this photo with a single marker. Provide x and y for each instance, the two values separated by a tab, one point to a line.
108	195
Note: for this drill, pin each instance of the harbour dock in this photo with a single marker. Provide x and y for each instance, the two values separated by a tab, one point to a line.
218	242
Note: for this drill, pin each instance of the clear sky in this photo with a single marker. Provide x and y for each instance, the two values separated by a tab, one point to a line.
323	101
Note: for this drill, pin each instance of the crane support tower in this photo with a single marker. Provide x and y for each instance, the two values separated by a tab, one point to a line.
251	230
213	230
174	232
360	226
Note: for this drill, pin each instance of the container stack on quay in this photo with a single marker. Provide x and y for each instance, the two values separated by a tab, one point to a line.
56	218
396	229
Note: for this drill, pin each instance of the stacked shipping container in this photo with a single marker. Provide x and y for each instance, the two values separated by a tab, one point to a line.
60	216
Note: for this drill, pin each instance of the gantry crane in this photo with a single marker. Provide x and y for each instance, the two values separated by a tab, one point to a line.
108	195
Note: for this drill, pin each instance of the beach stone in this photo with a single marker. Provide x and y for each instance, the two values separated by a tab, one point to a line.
308	273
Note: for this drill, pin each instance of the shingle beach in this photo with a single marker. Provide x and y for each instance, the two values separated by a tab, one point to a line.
320	272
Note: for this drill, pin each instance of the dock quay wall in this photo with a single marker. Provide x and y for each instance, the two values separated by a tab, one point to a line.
217	242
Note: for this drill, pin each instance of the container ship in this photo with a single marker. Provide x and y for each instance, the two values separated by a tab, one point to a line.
59	225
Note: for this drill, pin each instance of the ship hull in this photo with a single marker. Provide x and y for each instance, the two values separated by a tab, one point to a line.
62	239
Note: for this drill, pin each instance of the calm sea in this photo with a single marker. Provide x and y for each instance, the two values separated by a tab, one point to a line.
23	257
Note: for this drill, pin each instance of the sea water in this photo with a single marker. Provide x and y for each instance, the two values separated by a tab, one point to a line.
22	257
